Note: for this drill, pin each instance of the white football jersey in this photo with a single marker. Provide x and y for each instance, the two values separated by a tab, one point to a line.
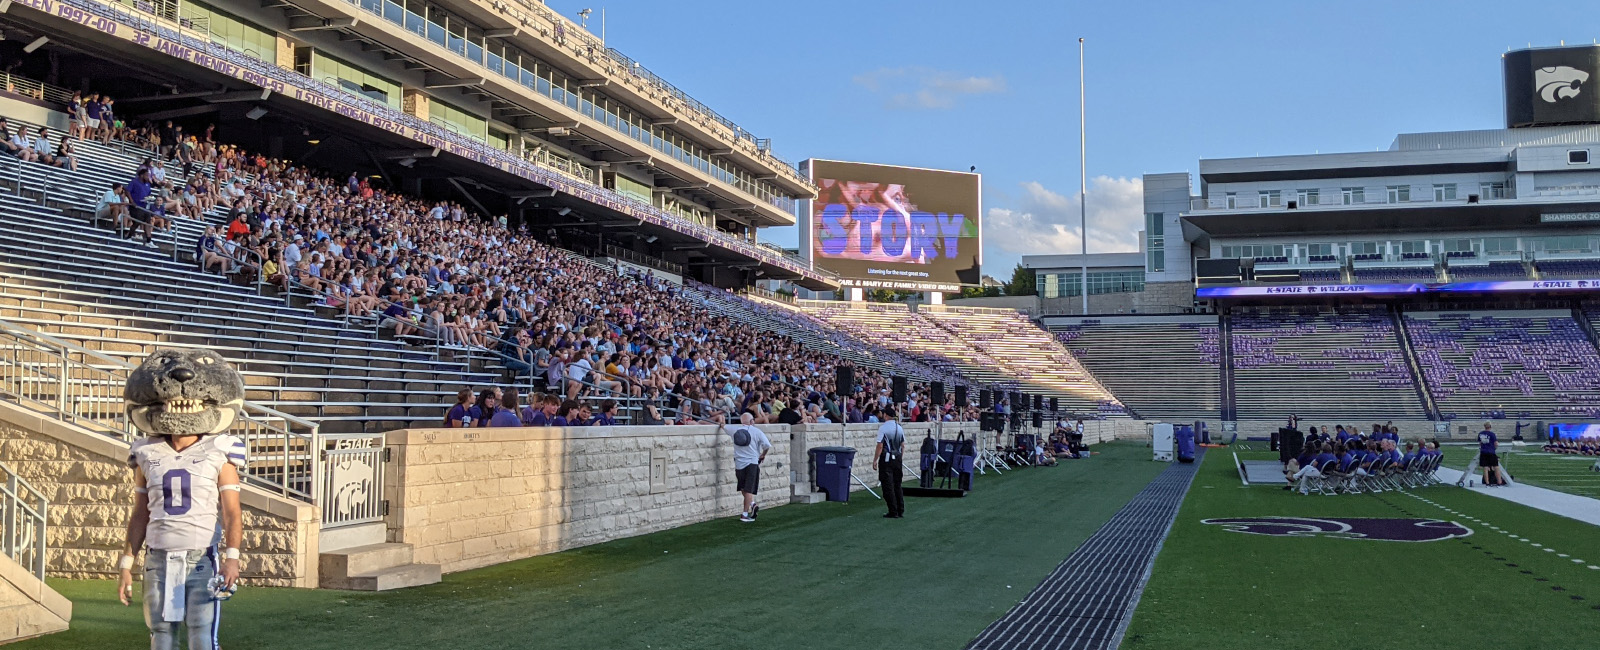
182	489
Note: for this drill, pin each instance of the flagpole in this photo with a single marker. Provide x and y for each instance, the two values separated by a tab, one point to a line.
1083	180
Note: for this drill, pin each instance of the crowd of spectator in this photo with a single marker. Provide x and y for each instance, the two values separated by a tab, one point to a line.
437	274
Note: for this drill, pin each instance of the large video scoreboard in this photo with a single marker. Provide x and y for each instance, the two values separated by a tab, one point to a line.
892	227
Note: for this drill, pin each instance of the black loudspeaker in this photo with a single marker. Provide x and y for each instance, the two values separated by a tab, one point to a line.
936	393
961	397
844	380
985	398
1055	404
1038	419
1294	205
1016	420
898	390
1019	402
1038	403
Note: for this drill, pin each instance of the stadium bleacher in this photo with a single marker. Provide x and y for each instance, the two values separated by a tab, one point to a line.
86	286
1142	363
1321	364
993	347
1533	363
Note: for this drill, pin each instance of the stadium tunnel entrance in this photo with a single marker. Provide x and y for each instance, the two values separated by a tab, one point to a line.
149	86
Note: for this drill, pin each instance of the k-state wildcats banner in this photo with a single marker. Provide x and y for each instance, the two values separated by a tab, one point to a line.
885	226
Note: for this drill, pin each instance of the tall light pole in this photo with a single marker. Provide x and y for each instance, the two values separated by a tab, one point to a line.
1083	182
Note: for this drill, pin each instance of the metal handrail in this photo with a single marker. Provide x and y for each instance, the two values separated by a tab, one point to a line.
642	259
84	387
24	516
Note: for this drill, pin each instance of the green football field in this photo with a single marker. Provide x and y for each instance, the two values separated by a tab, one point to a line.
1522	579
820	576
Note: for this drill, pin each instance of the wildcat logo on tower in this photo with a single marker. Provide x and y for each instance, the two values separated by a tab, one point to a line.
1559	83
1545	86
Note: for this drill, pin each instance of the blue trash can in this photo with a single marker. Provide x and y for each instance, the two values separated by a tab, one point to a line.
830	471
1183	436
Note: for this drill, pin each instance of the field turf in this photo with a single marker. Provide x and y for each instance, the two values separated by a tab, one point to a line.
821	576
1523	579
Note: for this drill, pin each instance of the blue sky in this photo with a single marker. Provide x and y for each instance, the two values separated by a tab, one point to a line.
942	84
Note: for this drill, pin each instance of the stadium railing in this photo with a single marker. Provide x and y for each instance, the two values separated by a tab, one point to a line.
23	518
83	387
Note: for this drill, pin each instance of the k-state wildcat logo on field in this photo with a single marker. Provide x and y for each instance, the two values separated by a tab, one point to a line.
1389	530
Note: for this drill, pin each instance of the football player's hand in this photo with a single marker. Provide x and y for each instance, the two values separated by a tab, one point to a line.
230	572
125	586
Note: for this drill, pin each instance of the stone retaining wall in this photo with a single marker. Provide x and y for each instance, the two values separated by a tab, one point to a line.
89	486
467	498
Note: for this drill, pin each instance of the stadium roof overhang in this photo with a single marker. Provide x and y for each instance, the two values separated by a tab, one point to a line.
1494	215
197	87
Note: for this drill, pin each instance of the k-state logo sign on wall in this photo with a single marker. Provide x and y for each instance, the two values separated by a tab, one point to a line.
1546	86
1558	83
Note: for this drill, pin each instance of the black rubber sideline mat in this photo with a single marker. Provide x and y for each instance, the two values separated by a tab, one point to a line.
1086	602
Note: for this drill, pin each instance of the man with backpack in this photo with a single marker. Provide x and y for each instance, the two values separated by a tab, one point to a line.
887	460
750	447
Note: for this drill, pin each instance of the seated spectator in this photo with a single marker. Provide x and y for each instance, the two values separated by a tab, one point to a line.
565	413
508	414
113	206
8	144
458	415
209	250
483	411
607	416
401	319
44	151
67	155
1314	469
545	415
22	145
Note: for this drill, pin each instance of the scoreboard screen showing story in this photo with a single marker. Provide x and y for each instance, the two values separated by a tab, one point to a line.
884	226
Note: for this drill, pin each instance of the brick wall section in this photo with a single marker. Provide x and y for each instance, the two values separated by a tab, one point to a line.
467	498
91	497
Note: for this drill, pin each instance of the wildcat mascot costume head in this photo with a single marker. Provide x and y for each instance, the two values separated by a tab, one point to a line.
184	393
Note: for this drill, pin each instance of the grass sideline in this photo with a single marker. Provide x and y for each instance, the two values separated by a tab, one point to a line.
1212	588
824	576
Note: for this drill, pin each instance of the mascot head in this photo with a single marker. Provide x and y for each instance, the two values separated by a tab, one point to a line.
184	393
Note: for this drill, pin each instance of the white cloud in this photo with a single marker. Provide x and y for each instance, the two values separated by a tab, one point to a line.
917	88
1042	222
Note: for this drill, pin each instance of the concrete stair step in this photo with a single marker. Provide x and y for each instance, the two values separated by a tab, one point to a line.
400	577
364	559
801	496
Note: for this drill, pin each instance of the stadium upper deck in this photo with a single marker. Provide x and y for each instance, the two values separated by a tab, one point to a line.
508	105
1518	204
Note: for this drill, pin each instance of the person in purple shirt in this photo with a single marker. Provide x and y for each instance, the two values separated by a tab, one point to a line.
545	414
607	416
1489	457
1313	469
483	411
568	408
454	417
506	415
